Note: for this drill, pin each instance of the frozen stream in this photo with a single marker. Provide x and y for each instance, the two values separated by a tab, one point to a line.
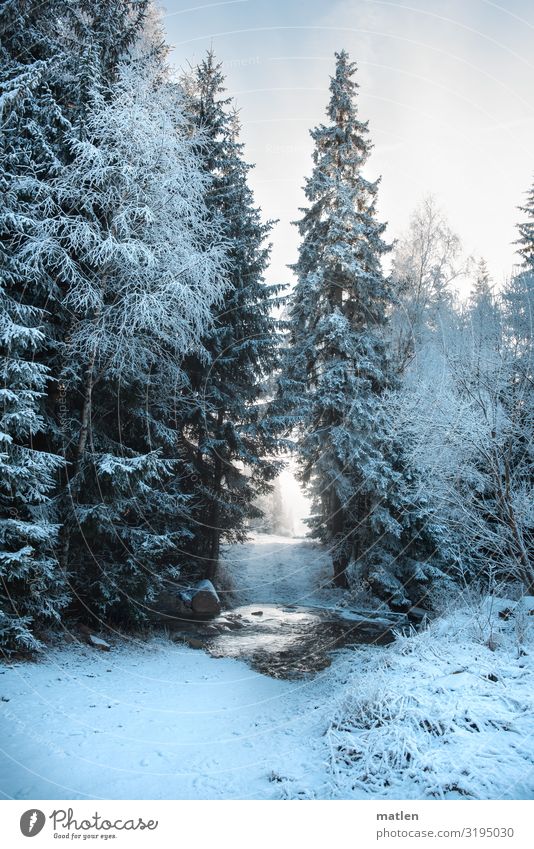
284	641
280	621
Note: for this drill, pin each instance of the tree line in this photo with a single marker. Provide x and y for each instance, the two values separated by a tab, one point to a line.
136	327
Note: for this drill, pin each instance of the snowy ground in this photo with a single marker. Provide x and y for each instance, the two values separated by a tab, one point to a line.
439	715
155	721
283	570
448	713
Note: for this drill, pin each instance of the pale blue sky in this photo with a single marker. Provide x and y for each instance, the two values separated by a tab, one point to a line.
447	86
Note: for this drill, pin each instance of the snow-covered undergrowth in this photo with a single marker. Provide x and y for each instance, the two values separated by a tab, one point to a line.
447	713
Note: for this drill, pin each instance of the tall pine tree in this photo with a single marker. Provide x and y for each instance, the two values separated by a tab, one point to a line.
526	231
516	494
337	369
141	268
227	441
111	269
32	59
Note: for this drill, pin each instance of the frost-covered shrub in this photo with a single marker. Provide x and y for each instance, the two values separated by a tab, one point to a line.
444	716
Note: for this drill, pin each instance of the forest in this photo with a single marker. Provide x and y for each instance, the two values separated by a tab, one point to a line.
154	386
151	384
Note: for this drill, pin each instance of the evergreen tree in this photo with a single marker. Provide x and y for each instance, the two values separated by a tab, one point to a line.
140	267
228	440
484	319
526	231
337	370
112	268
33	588
516	467
55	55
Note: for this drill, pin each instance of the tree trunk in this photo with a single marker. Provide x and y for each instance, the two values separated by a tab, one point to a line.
86	410
80	451
215	518
340	572
340	559
214	544
336	517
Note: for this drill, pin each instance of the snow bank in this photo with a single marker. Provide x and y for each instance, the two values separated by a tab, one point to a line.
448	714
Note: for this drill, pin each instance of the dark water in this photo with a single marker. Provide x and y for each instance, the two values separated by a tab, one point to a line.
286	641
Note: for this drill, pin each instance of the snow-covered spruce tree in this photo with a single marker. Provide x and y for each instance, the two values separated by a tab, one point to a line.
106	30
132	246
515	495
526	231
32	587
484	321
367	507
481	291
60	61
228	442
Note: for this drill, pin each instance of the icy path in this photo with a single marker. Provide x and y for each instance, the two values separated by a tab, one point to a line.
279	570
444	714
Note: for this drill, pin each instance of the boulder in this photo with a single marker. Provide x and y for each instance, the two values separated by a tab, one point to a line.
91	639
98	643
204	599
173	605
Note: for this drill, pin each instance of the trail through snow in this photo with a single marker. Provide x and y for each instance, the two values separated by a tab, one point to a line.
279	570
438	715
155	721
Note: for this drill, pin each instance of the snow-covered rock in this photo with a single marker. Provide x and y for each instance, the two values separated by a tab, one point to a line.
204	600
98	643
